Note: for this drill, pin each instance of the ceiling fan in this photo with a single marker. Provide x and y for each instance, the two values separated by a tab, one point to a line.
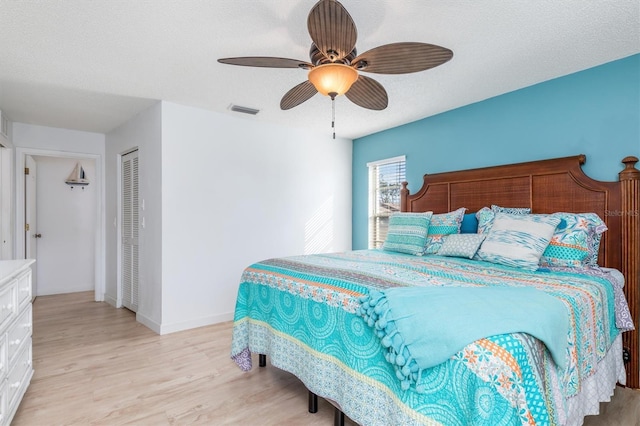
335	66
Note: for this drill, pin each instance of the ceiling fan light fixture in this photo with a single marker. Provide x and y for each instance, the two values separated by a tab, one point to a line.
335	79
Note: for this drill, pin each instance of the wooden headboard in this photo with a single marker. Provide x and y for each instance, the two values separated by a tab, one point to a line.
548	186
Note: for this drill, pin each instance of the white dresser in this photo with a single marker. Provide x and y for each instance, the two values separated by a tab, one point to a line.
16	327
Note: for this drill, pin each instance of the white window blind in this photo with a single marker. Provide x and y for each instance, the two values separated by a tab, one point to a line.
385	182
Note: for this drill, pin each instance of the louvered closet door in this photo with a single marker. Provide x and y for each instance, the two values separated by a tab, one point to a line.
129	259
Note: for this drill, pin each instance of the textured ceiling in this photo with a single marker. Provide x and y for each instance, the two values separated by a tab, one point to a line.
93	64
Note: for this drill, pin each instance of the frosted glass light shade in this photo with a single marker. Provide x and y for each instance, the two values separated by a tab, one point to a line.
333	78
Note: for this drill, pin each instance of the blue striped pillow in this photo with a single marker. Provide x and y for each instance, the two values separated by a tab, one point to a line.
518	240
407	233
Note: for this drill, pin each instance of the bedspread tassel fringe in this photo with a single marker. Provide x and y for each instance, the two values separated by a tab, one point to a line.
374	308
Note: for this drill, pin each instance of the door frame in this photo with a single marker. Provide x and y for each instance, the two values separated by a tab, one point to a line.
100	232
6	201
31	217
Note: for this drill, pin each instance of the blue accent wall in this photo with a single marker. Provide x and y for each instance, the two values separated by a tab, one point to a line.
595	112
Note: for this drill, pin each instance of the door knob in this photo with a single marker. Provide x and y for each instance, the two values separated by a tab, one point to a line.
37	236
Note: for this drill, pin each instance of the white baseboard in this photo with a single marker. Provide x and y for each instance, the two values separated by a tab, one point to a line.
184	325
110	300
195	323
148	322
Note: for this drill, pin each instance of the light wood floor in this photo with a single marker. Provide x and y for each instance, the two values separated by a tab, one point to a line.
95	365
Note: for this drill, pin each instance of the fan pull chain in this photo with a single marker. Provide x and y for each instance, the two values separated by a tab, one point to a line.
333	112
333	117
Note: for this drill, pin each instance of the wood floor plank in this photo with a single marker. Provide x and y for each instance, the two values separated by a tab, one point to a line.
95	365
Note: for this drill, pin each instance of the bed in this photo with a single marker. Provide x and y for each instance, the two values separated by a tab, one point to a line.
327	318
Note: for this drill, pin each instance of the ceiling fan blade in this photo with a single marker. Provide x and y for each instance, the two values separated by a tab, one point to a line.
266	62
332	29
402	58
368	93
298	95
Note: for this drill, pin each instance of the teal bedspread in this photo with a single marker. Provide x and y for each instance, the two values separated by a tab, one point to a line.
304	312
418	336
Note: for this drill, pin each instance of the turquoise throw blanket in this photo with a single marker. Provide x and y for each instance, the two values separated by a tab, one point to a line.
424	326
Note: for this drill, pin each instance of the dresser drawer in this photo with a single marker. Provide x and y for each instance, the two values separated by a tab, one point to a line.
7	305
23	288
19	332
19	376
4	402
4	357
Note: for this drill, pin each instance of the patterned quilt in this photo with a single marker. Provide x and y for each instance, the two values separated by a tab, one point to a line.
303	312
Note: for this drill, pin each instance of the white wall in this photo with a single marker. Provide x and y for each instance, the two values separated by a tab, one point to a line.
236	191
220	193
66	218
142	132
51	138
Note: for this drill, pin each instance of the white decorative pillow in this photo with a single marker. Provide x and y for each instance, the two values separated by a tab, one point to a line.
461	245
518	240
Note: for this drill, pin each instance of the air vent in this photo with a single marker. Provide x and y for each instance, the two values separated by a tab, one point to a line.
244	110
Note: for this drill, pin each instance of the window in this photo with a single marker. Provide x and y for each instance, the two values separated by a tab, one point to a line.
385	183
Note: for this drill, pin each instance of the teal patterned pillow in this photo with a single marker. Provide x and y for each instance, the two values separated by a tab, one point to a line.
518	240
407	233
485	218
573	243
594	244
510	210
461	245
485	215
441	226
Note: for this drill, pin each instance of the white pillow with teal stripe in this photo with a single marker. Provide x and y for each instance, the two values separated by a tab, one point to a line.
518	240
441	226
407	233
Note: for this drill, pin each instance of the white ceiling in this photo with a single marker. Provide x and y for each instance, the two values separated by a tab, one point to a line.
93	64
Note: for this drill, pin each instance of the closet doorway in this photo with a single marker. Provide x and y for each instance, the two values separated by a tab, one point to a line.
129	214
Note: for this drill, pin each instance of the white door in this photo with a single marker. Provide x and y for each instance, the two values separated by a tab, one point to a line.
129	231
30	228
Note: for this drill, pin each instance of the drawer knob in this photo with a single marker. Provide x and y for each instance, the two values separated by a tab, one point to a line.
14	385
14	342
7	307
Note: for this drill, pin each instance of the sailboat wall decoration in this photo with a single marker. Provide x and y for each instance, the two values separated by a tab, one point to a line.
77	177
